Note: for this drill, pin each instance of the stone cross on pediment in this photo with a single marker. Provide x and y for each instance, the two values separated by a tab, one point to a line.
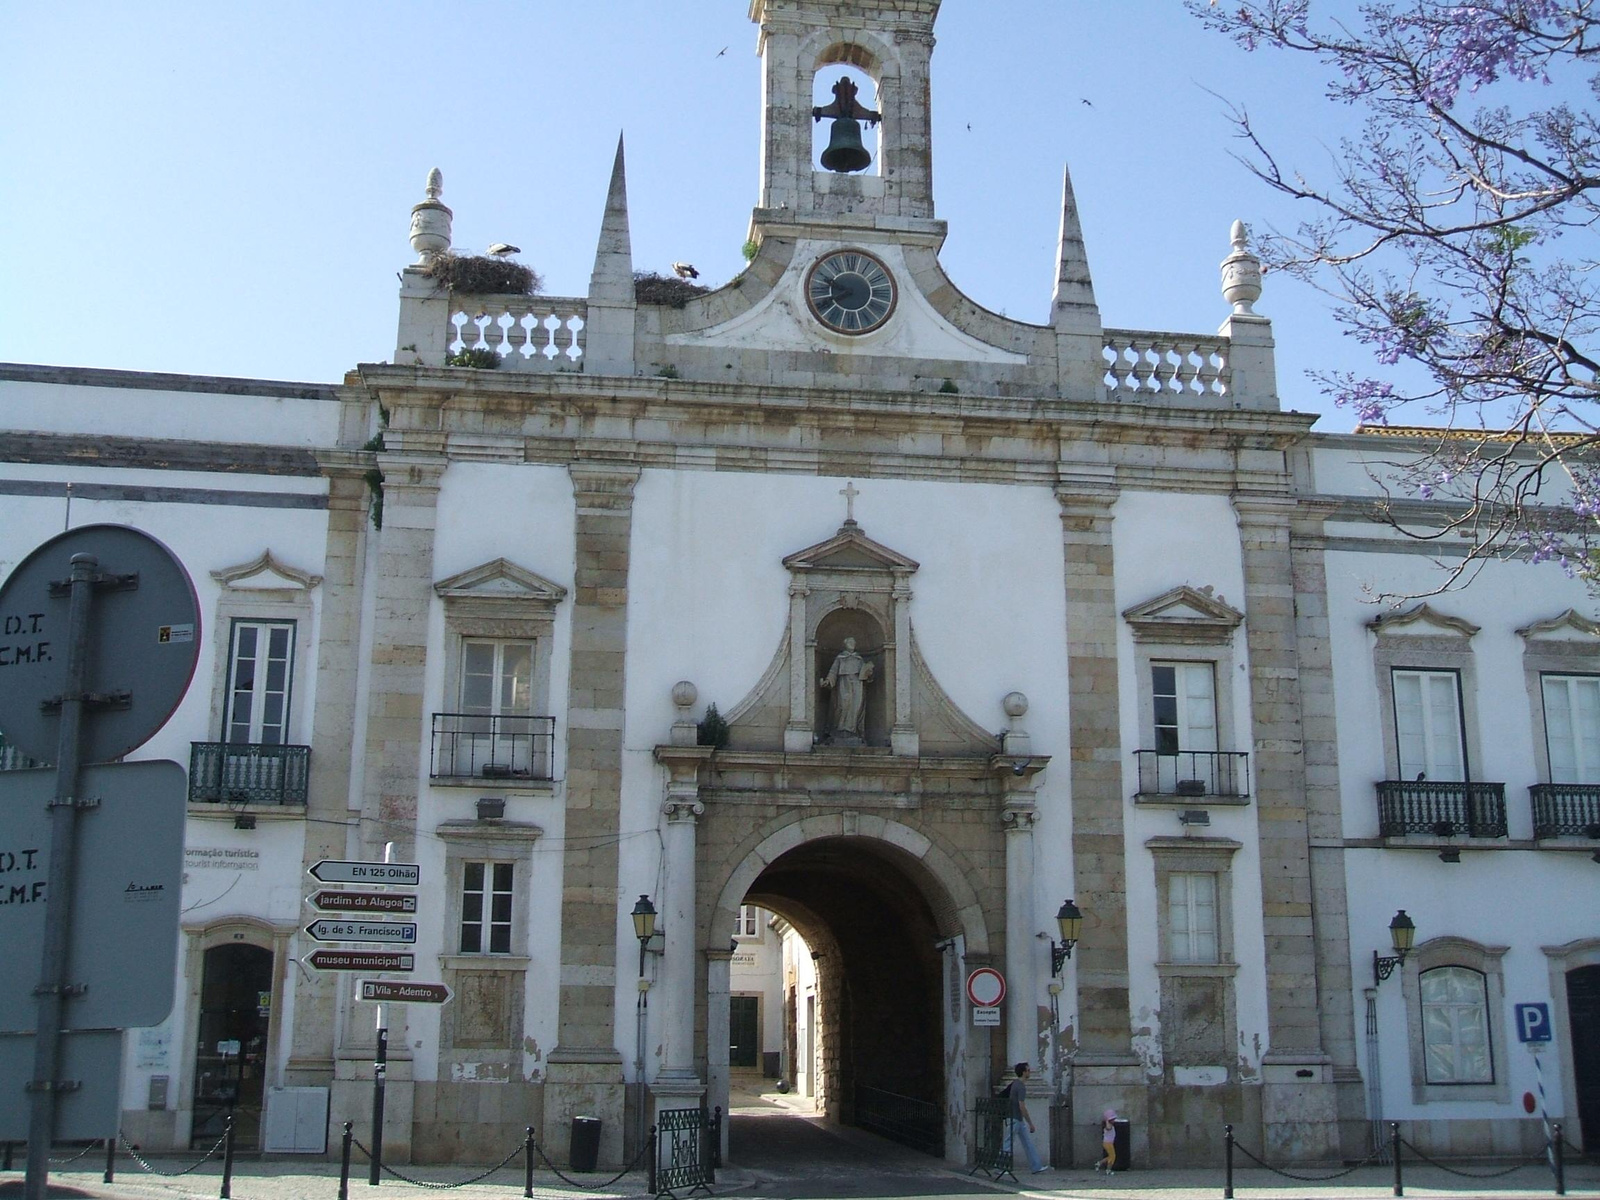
849	491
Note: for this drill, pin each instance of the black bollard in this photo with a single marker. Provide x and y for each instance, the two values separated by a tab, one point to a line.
527	1166
111	1160
344	1163
650	1170
1227	1162
1561	1164
227	1161
1394	1145
5	1156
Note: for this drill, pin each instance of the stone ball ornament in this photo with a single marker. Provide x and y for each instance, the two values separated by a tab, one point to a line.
684	694
1015	704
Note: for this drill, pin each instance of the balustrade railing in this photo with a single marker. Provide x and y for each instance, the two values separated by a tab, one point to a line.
904	1119
471	746
530	333
1194	774
248	773
1443	809
1565	809
12	759
1172	366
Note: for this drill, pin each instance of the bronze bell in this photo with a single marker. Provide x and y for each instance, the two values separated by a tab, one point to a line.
845	152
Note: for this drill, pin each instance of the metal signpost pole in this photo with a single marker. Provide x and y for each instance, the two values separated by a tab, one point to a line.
380	1071
58	909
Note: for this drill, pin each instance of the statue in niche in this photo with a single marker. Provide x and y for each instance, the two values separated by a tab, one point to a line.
847	678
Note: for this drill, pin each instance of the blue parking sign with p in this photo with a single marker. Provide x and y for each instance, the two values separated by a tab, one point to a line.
1533	1023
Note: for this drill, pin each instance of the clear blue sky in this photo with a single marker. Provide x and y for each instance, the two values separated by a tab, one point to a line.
225	188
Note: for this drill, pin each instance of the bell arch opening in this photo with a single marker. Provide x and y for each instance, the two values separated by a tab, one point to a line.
870	1037
860	69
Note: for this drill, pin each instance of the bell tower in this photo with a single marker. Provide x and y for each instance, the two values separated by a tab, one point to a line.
889	40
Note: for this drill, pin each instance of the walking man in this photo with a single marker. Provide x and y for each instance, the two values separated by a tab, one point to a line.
1021	1125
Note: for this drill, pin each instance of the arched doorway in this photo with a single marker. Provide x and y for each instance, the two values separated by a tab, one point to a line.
885	1046
231	1047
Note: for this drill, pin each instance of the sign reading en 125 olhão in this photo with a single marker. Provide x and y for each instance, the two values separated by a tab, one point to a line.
394	932
397	874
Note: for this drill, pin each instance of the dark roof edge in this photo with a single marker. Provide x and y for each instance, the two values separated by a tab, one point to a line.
161	381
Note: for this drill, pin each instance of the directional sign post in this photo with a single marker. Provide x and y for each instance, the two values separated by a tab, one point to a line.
364	902
394	874
401	991
359	960
402	933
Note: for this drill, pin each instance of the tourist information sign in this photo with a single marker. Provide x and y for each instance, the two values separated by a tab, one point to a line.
400	991
364	902
359	960
395	874
393	932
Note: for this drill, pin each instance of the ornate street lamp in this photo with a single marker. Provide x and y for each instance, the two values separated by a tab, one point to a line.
1403	933
644	926
1070	922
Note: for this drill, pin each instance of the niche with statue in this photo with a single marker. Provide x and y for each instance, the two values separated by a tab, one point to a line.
846	674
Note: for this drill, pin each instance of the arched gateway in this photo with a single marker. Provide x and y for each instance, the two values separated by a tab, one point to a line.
850	797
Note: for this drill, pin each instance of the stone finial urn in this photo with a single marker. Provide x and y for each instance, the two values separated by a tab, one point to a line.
1241	273
430	221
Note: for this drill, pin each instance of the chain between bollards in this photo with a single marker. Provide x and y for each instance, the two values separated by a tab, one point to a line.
1227	1186
344	1162
527	1165
1394	1146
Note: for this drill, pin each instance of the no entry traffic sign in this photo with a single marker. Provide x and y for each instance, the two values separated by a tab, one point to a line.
986	987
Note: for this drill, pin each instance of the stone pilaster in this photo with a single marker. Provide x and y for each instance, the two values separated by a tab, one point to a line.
1330	903
719	965
333	734
584	1070
1098	839
1022	1006
678	1084
1298	1099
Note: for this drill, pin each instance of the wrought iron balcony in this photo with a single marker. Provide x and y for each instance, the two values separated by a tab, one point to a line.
1565	810
471	747
1194	774
248	773
1442	809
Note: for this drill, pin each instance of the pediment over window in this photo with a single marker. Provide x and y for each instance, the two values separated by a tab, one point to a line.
501	580
1422	620
1570	626
1185	614
850	550
265	574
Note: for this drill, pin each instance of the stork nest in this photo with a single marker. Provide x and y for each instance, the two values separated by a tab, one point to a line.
649	287
482	275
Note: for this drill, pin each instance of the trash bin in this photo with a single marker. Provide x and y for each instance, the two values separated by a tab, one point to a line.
585	1143
1124	1143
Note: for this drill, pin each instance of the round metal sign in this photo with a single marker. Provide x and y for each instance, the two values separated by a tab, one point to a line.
986	987
143	642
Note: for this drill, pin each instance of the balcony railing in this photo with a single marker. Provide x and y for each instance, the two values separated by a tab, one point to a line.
468	746
12	759
248	773
1194	774
1444	809
1565	809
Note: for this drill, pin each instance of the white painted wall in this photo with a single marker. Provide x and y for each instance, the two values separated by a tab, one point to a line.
152	413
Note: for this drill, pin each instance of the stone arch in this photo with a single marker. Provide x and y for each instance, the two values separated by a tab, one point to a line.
955	904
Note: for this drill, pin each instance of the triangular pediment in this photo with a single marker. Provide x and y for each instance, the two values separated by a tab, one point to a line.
849	550
1184	614
1422	620
500	579
264	573
1570	626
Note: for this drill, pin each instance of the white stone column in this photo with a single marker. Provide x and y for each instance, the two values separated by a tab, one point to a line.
678	1074
799	733
1022	1033
903	738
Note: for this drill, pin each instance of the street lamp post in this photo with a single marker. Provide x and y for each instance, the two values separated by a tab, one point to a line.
1069	921
644	928
1403	935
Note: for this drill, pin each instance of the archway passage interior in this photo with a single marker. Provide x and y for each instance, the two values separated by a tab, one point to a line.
879	1046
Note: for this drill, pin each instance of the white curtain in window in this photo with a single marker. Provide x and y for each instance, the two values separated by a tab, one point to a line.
1427	718
1455	1026
1192	916
1572	727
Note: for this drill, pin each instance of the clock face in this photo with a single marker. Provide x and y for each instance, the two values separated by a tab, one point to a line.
850	292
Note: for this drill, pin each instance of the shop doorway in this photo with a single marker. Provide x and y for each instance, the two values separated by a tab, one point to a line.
744	1031
231	1048
1583	1023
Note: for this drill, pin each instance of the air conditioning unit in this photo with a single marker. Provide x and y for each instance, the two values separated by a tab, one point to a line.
496	771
